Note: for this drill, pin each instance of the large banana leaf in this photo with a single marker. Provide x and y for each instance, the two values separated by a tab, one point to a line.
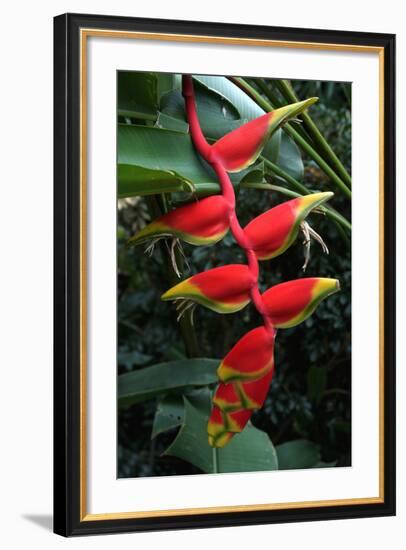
155	160
250	451
246	107
143	384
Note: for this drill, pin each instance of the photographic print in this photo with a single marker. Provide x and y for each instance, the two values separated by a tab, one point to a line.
224	341
233	274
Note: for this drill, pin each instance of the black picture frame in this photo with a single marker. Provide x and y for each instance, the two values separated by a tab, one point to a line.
67	353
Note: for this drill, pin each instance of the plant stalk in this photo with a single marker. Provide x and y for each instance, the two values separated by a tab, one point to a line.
285	88
215	460
303	191
276	102
227	191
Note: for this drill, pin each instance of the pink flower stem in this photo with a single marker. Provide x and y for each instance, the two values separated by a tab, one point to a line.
227	190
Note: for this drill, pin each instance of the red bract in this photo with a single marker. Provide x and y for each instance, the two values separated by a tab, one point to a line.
241	147
201	222
288	304
219	436
245	373
274	231
223	289
251	357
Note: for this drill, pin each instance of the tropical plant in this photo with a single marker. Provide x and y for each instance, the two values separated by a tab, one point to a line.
169	146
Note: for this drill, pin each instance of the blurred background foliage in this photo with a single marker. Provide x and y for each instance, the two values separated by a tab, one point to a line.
309	402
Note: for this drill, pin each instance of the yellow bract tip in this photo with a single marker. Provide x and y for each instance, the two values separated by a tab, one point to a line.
308	202
326	286
184	288
283	114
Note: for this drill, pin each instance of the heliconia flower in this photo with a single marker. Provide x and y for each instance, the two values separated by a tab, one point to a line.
199	223
250	358
224	289
219	436
274	231
290	303
241	147
247	369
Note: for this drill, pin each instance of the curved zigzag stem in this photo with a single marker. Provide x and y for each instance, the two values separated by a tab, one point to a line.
206	151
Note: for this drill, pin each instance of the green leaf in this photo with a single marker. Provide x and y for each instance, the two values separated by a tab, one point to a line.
171	123
131	358
217	115
154	160
255	175
162	159
221	107
143	384
298	454
272	148
280	149
161	149
246	107
250	451
290	158
137	95
169	414
137	180
316	383
168	82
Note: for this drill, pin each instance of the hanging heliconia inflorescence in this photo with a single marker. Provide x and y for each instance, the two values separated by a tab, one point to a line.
246	371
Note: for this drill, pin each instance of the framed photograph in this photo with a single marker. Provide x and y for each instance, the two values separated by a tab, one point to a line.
224	274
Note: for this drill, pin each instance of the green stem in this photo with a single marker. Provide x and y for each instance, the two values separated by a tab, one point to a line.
268	107
215	460
332	214
303	191
287	177
185	322
285	88
214	450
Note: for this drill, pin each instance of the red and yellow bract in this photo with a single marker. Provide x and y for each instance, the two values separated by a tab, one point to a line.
241	147
249	358
290	303
224	289
200	222
245	374
274	231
